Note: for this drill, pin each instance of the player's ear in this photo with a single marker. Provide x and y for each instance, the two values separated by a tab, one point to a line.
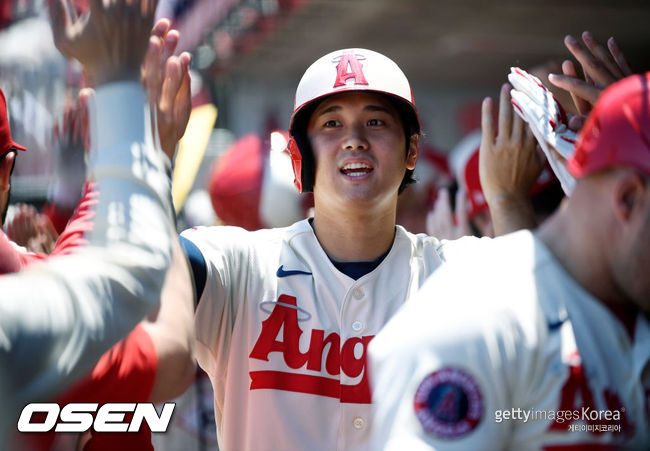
5	171
412	155
630	196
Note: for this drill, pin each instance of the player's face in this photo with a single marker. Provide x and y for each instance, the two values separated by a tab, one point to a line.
360	149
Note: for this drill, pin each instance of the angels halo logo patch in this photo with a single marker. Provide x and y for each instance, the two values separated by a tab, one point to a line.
448	403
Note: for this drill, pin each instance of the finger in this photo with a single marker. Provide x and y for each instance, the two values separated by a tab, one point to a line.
161	28
184	96
592	68
534	151
170	86
505	112
518	126
576	122
529	137
487	124
617	53
569	70
183	107
152	69
153	57
171	41
576	87
185	59
601	53
61	21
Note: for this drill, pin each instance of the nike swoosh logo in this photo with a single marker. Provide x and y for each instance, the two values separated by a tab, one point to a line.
284	273
556	325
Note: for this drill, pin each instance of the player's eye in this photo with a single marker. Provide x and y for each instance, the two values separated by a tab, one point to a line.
331	123
375	122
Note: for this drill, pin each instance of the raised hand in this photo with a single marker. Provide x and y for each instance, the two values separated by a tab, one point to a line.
167	80
509	165
440	220
32	230
109	40
601	68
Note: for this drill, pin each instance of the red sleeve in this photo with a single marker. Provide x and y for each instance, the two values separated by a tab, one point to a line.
13	260
58	216
125	373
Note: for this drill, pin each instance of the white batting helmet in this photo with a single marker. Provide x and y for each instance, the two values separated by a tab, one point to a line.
341	71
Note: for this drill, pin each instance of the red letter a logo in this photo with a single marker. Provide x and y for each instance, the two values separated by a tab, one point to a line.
356	72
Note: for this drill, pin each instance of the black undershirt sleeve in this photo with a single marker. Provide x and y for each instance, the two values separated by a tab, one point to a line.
197	264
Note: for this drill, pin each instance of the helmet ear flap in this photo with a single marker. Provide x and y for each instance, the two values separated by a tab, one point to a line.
296	163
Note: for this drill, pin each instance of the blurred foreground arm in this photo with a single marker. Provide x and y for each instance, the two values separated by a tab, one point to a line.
90	299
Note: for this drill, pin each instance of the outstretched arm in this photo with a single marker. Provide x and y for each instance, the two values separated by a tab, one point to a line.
172	332
93	297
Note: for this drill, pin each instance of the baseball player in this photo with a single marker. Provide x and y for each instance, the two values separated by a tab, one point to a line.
87	301
285	315
9	260
547	346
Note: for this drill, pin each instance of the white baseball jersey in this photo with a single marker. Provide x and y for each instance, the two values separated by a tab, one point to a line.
505	350
283	334
58	318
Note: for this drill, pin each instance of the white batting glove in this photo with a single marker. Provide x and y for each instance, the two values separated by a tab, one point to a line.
537	106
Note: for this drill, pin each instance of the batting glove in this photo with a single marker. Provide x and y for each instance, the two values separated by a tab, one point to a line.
548	121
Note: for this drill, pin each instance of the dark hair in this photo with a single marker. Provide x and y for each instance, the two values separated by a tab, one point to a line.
411	127
410	124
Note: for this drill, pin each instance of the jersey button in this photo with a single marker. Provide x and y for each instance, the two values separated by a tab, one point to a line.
357	293
358	423
357	326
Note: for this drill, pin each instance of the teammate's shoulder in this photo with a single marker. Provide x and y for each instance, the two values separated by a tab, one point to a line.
513	245
486	272
460	248
419	241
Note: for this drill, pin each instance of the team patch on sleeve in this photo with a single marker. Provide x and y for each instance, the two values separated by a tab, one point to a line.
448	403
